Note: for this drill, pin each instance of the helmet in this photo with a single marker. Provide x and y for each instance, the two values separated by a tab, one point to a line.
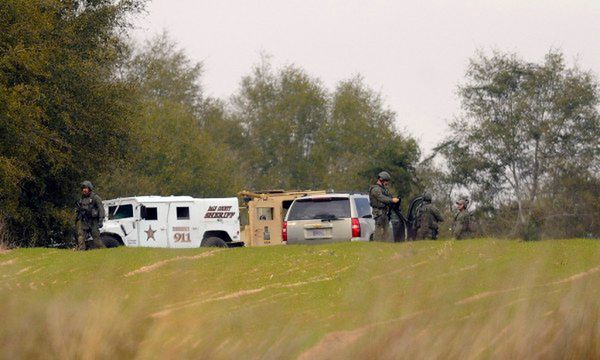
463	199
384	175
87	184
426	197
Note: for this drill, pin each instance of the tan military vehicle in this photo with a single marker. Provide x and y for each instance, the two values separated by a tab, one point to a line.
262	214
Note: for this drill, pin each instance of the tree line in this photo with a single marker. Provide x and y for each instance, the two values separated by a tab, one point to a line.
79	101
526	147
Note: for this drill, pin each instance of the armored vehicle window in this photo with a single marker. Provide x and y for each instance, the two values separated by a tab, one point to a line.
264	213
244	216
363	208
320	208
122	212
183	213
149	213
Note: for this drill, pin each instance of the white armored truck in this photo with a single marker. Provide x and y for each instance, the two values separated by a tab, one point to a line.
171	222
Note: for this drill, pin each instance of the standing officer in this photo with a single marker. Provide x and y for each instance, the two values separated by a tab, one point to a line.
381	202
461	227
90	214
428	217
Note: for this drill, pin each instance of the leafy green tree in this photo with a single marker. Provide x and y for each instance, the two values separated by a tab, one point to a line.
281	114
297	135
359	140
174	150
222	127
523	125
63	110
164	72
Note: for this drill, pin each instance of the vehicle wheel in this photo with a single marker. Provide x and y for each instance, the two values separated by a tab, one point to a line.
214	241
109	241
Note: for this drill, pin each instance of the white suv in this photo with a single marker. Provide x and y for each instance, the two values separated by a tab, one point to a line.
329	218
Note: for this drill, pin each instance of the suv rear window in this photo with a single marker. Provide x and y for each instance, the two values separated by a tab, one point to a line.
363	208
320	208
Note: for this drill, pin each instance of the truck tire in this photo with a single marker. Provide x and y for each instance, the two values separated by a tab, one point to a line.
214	241
109	241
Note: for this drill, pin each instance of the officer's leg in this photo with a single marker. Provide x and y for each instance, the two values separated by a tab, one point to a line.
98	244
378	235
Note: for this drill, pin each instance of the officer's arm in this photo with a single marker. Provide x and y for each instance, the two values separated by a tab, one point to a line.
101	213
437	215
380	196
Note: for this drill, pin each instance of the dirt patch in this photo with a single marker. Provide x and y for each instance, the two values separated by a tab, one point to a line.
235	295
238	294
411	266
335	342
571	278
156	265
332	344
8	262
24	270
302	283
486	294
169	309
575	277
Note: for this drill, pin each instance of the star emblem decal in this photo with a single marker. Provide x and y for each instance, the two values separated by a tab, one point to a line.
150	233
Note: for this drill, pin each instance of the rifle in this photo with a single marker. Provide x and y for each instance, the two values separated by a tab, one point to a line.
400	234
397	209
80	213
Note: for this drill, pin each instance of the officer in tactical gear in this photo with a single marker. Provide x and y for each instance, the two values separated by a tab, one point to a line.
462	227
427	219
90	214
381	202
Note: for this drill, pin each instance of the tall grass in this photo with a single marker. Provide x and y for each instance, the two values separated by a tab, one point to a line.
469	299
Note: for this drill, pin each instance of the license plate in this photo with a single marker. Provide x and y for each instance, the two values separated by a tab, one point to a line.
318	233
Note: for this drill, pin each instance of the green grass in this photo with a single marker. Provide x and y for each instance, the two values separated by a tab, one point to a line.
468	299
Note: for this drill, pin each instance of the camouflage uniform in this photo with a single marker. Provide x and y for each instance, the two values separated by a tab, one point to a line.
462	227
428	217
381	201
90	214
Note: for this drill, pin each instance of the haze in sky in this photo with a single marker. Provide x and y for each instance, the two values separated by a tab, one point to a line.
413	52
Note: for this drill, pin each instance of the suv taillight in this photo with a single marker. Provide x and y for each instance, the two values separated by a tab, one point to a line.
284	232
355	228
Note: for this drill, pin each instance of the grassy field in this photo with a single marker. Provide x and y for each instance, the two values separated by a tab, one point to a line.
469	299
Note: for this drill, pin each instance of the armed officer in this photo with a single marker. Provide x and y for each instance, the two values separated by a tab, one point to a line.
462	227
90	214
381	202
427	219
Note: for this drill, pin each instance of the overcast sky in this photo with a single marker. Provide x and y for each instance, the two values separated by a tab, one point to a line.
413	52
